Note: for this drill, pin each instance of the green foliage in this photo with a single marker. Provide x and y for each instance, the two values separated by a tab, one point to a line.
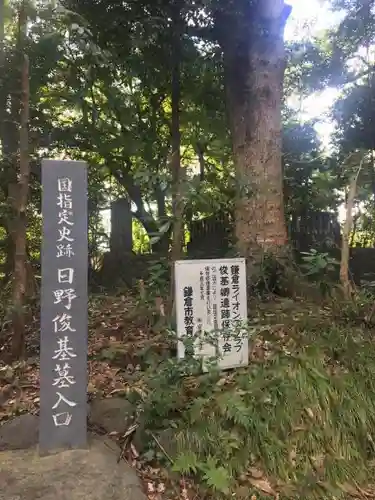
141	241
311	398
359	309
320	267
312	65
158	278
216	476
163	230
308	179
102	93
269	275
318	263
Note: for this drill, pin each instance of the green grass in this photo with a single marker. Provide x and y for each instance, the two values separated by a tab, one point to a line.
303	417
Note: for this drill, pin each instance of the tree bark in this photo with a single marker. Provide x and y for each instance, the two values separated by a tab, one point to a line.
2	75
162	246
345	247
200	150
20	260
178	172
254	59
2	36
145	217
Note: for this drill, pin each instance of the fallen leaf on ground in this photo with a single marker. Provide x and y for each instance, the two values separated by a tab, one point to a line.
256	473
262	485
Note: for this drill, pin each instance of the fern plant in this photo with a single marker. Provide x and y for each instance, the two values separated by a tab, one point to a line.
295	403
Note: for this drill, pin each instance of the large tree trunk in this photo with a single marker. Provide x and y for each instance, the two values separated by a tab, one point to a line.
20	259
178	172
252	41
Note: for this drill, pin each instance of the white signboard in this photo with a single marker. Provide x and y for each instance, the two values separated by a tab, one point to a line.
211	299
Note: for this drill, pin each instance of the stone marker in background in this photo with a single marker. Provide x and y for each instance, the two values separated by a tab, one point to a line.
211	296
121	239
63	353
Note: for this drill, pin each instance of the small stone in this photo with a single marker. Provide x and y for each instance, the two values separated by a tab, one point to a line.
20	433
112	414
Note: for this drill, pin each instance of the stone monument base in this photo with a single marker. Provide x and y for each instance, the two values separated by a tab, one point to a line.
91	474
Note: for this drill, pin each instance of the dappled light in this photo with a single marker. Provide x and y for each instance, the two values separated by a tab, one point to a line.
187	249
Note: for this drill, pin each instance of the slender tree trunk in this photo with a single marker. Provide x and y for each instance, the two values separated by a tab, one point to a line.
2	74
251	37
178	172
20	261
2	33
200	150
8	146
162	246
345	246
353	232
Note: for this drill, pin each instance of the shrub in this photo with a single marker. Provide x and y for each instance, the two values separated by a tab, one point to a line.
303	417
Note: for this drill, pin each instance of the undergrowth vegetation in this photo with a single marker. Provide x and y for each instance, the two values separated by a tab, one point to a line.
298	422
